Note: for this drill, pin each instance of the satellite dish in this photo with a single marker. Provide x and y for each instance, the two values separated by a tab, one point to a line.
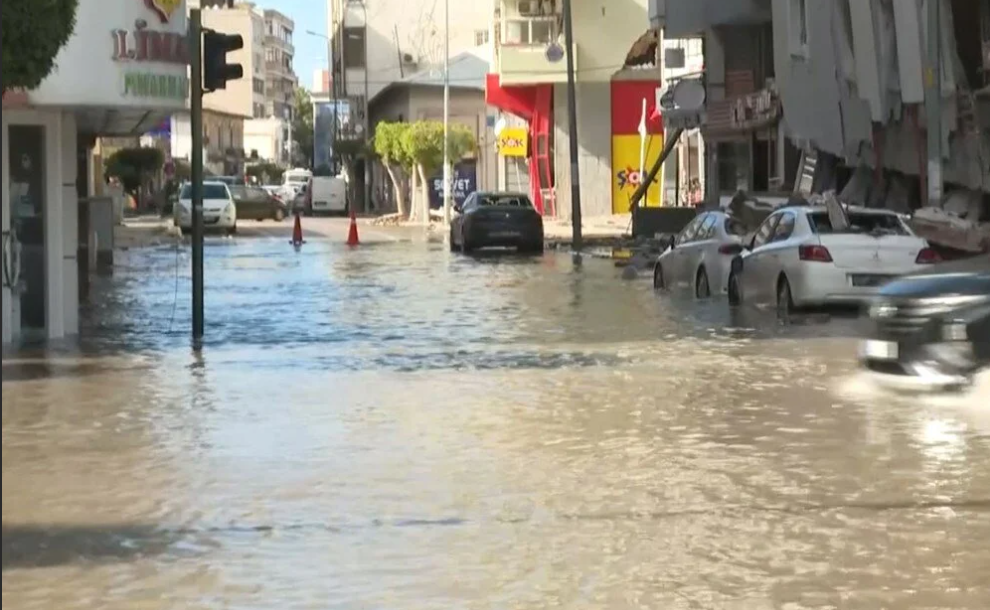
554	52
689	94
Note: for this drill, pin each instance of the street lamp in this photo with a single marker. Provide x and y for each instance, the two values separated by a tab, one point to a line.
446	114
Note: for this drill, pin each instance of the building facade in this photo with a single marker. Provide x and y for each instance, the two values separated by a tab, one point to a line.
528	81
280	78
851	81
376	44
106	83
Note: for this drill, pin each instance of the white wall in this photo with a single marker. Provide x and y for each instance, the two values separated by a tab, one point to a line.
266	137
594	119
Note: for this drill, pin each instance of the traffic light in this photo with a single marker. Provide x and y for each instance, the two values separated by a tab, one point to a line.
216	70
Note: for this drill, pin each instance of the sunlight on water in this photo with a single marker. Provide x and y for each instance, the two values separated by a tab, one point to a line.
861	388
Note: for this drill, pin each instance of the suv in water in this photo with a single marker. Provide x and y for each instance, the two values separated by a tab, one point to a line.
931	329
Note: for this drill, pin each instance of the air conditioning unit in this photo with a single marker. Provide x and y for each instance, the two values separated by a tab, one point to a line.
529	8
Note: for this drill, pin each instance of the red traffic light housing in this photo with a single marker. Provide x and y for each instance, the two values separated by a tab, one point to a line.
216	70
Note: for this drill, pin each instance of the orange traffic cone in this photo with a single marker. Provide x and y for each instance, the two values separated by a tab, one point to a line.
297	238
352	233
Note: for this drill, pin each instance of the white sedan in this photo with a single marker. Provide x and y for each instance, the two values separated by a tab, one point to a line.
219	210
797	258
701	255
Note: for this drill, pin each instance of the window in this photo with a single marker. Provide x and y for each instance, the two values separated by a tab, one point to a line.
505	201
785	228
707	229
530	31
480	37
864	223
354	47
211	190
259	85
688	233
798	27
765	231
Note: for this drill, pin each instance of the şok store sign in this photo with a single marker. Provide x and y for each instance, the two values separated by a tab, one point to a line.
627	112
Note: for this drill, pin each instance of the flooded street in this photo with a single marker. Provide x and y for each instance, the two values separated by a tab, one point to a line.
399	427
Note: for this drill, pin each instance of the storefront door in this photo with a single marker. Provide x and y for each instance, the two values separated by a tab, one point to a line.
26	172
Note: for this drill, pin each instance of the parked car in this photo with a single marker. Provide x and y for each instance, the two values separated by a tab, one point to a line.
701	254
255	203
796	258
326	195
219	209
229	180
489	219
931	329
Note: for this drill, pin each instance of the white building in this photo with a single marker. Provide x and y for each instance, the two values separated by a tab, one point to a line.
266	139
106	83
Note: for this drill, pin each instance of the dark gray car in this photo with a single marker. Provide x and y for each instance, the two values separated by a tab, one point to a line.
490	219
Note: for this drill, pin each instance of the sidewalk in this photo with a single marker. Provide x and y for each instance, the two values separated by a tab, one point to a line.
144	231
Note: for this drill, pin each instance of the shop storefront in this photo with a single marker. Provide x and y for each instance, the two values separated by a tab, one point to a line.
122	72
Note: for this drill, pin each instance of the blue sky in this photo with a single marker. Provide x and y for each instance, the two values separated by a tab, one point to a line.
311	51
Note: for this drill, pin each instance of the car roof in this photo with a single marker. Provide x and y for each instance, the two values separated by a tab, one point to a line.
502	193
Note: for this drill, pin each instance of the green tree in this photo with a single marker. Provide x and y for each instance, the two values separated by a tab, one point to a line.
422	144
134	166
266	172
302	128
33	32
387	144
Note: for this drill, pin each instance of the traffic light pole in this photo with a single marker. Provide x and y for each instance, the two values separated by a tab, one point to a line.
196	124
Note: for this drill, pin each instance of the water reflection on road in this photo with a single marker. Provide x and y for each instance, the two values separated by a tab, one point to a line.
399	427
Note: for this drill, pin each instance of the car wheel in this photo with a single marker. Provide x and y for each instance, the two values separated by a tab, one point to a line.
658	280
735	297
232	230
533	248
453	244
466	246
701	288
785	301
279	215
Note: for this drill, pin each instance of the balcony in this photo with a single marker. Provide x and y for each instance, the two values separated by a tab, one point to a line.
277	42
522	56
280	69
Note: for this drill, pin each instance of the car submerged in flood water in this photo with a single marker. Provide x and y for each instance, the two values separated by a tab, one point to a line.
931	329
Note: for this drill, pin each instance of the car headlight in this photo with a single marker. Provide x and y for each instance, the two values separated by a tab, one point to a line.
230	209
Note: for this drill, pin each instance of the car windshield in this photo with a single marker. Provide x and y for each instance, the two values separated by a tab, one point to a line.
210	191
512	201
866	223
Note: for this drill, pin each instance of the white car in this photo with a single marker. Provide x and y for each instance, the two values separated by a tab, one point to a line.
701	255
219	209
797	259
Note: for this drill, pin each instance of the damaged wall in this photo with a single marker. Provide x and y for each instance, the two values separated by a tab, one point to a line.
851	64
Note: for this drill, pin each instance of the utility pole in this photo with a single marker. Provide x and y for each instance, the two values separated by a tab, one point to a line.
196	126
446	114
577	242
933	102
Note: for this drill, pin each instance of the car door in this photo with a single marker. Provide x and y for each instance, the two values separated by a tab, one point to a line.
240	196
775	252
693	253
755	263
457	222
261	204
673	263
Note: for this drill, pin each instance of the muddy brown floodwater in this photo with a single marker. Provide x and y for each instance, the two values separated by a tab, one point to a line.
397	427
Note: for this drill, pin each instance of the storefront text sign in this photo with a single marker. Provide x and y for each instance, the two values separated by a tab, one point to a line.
144	46
513	142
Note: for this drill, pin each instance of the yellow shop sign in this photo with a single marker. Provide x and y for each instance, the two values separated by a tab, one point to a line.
513	142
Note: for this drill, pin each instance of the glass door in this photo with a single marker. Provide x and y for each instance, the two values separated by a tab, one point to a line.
26	172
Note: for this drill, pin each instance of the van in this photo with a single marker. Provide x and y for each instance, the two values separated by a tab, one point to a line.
326	195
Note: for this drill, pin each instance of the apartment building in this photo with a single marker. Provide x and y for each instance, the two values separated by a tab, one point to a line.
743	132
528	81
226	110
280	78
377	44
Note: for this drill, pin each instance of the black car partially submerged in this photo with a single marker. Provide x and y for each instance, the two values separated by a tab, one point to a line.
488	220
931	329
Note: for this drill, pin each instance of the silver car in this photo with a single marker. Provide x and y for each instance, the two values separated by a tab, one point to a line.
701	255
799	257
